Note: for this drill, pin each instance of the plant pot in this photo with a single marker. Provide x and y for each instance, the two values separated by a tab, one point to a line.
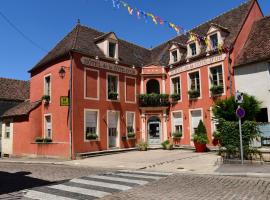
215	142
200	147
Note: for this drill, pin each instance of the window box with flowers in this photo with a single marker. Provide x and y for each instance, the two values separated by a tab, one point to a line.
194	94
91	136
216	90
113	96
40	140
177	135
131	135
175	97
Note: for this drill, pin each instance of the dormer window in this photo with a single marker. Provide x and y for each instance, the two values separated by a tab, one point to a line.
112	49
214	41
193	49
174	56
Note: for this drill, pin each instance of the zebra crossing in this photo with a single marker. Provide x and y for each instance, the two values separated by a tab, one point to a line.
95	186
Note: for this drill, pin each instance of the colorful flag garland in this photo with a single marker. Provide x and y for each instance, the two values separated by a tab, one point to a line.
159	21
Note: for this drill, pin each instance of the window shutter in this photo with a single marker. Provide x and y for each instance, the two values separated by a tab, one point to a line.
91	119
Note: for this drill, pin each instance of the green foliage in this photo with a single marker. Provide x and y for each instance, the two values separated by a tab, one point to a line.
43	140
47	140
225	109
151	100
200	135
229	136
142	146
216	135
177	134
131	135
39	139
193	94
167	145
46	98
217	89
175	97
91	136
113	95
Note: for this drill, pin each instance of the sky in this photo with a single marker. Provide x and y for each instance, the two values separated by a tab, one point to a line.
46	22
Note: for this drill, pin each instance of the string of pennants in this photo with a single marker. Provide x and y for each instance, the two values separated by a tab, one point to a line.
159	21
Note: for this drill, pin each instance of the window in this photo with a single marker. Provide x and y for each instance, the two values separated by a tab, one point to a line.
112	87
196	116
47	87
216	76
174	56
193	49
7	130
194	81
112	49
130	122
176	85
48	126
91	118
177	122
214	41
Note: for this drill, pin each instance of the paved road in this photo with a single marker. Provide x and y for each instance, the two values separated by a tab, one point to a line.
15	178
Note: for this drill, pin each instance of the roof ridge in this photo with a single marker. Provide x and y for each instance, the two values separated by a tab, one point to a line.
76	36
234	8
13	79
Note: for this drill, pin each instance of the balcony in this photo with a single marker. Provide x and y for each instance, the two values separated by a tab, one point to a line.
154	100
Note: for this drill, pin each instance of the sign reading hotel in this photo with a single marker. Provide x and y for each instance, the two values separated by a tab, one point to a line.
197	64
108	66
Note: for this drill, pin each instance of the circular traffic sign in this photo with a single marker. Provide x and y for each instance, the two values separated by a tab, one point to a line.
240	112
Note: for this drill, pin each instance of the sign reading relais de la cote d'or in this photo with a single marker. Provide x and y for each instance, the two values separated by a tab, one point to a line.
200	63
108	66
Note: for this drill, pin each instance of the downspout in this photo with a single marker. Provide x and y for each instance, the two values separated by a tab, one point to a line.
70	108
230	70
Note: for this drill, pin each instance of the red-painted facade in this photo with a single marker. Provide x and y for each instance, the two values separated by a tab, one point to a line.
88	84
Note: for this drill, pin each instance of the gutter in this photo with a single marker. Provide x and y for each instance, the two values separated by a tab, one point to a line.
70	108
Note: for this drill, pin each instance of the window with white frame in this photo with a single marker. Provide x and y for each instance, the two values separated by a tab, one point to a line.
91	119
194	79
7	130
112	49
196	117
112	87
214	41
130	122
48	126
176	89
193	49
47	85
177	122
216	76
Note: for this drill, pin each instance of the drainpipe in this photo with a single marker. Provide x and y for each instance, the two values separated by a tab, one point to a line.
230	70
70	107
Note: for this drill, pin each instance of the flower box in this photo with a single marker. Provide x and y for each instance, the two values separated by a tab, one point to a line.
216	90
91	136
194	94
113	95
175	97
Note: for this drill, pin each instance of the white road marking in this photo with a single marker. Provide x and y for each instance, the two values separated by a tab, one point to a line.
119	179
139	176
146	172
44	196
101	184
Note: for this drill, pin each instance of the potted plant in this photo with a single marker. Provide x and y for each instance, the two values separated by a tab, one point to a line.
46	98
175	97
216	138
200	138
142	146
167	145
91	136
131	135
216	90
193	94
113	95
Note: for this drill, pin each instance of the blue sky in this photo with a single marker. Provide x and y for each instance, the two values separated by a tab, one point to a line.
48	21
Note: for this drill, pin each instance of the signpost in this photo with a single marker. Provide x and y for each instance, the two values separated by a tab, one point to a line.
240	113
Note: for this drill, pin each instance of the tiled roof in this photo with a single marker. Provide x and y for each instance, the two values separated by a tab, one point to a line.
14	90
22	109
257	47
82	39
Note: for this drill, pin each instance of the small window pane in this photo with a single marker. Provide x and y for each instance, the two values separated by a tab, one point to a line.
112	47
47	86
193	49
174	55
214	41
48	127
130	122
176	85
91	122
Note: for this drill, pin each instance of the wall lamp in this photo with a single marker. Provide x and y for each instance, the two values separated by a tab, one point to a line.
62	72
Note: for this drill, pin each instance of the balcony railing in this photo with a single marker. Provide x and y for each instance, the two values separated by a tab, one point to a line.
153	100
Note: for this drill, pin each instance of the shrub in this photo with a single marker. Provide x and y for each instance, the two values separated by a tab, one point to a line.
177	134
200	135
167	145
142	146
131	135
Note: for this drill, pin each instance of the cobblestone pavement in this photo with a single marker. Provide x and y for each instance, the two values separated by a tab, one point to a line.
16	177
203	187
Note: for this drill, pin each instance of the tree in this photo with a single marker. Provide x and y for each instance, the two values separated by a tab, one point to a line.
225	109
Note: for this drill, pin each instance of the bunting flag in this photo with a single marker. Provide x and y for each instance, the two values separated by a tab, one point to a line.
158	20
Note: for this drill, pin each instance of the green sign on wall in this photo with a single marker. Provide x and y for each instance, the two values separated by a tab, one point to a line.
64	101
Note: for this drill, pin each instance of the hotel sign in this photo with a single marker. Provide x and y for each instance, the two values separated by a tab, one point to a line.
197	64
108	66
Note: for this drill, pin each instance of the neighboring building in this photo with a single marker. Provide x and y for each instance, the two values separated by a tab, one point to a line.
12	93
252	70
102	76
